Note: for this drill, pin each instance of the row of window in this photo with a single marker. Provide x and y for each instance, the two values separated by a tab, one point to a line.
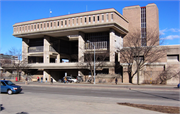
64	22
143	27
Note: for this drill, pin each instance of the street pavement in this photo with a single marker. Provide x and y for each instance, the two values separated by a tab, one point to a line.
105	86
59	98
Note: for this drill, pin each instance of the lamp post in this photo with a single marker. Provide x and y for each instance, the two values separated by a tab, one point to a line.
94	63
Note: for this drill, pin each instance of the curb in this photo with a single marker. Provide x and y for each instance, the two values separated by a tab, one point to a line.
95	87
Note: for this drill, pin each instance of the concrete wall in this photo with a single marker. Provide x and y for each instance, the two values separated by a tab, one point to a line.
46	49
152	21
133	15
81	47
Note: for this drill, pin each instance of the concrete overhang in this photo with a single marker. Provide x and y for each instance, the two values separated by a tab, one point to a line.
75	65
73	31
118	23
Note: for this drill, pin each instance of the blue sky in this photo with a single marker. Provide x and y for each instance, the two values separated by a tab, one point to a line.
19	11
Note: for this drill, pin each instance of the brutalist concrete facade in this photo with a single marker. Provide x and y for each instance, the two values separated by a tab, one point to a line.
58	45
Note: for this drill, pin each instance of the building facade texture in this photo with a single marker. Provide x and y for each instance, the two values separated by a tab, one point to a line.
62	45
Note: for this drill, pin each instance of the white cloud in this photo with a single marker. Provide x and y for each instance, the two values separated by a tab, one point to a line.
171	37
162	32
174	30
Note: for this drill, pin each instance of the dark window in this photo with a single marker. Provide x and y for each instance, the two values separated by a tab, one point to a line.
107	17
89	19
98	17
85	19
3	84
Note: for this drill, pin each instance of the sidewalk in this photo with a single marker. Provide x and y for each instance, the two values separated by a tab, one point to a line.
102	86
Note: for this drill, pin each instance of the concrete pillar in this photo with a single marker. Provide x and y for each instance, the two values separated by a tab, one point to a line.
112	70
111	45
81	47
47	75
46	49
119	55
112	50
58	58
125	74
25	49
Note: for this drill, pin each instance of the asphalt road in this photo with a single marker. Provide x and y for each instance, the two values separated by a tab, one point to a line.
152	97
84	99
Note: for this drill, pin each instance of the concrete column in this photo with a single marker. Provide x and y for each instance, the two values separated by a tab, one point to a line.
46	49
125	75
119	55
81	47
58	58
112	70
47	75
111	45
112	37
25	49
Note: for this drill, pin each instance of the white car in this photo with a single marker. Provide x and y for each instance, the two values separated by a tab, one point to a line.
71	79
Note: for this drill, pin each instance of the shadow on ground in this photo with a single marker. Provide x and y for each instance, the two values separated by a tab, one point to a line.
22	113
156	95
2	108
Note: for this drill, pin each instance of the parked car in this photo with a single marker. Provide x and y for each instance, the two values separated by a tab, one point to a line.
71	79
178	85
9	87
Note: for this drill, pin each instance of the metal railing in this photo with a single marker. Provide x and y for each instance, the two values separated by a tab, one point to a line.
36	49
98	45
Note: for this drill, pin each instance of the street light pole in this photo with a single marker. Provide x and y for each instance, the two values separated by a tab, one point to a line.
94	65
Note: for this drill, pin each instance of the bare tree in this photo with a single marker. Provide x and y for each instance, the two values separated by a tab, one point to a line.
138	51
101	57
169	73
4	60
16	62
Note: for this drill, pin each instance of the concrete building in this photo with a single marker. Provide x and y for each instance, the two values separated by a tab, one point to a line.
56	46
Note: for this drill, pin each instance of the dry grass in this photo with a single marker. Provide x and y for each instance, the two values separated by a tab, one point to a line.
164	109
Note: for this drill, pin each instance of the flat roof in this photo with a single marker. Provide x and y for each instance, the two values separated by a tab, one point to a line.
72	15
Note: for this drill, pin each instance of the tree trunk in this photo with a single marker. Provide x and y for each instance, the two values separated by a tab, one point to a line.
18	75
138	76
130	78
